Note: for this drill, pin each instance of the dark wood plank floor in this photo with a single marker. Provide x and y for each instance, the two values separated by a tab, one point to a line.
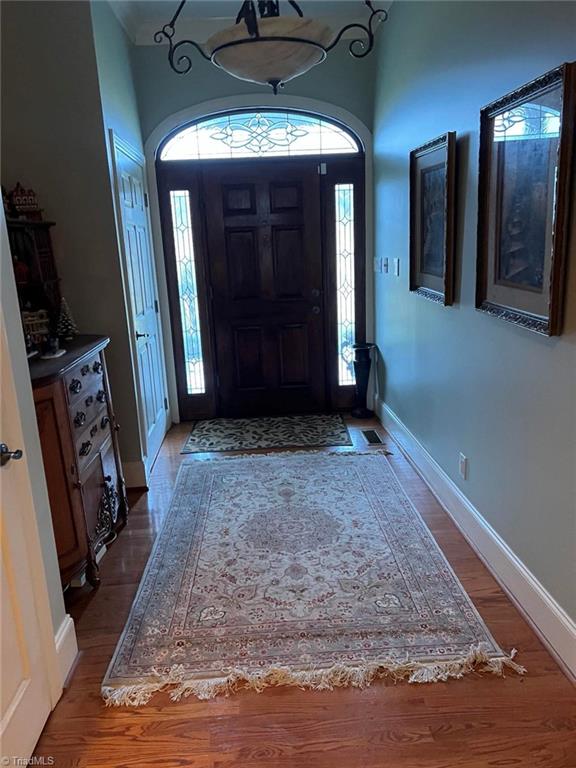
477	722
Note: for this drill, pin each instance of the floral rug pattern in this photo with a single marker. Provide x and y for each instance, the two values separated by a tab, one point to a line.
308	431
288	565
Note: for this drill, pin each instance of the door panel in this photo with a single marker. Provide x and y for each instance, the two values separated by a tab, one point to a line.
140	269
289	269
294	355
243	264
248	354
25	701
265	257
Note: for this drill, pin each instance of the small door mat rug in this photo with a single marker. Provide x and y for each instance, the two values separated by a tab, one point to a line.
308	431
302	569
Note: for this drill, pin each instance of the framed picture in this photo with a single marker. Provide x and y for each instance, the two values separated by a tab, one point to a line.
526	171
432	179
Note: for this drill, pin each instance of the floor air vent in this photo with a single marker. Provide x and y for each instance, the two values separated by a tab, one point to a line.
372	437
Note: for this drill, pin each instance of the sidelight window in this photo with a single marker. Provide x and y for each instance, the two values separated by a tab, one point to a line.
344	206
187	290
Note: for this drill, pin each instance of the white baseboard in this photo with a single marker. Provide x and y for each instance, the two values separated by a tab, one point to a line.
135	474
550	621
66	647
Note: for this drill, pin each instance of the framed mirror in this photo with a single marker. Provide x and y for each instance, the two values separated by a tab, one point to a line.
526	174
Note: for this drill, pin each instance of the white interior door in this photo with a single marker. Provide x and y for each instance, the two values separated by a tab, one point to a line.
141	282
25	690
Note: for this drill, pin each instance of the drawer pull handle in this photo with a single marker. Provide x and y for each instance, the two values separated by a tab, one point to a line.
75	386
85	448
85	370
89	400
93	430
79	419
101	396
97	367
105	421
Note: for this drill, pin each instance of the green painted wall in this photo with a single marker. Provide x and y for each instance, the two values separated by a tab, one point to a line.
52	141
458	379
115	75
56	111
340	80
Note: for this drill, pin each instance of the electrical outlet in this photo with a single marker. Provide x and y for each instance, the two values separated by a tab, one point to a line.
385	265
463	466
397	267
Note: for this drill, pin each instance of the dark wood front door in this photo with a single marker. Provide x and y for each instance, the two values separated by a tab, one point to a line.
265	264
260	266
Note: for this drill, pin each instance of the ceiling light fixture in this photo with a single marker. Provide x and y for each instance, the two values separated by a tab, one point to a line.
270	50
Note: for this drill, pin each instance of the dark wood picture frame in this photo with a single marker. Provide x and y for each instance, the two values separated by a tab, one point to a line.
524	202
432	215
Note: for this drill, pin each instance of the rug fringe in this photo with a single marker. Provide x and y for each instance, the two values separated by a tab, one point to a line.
320	451
339	675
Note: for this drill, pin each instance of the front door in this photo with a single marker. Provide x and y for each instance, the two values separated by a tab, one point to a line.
265	269
265	264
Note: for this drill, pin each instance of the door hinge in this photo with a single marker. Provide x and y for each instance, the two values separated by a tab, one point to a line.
165	403
146	199
322	170
156	305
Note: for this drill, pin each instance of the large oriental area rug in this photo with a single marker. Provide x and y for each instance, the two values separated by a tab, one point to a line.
312	570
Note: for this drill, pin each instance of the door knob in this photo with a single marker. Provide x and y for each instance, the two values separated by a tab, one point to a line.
316	310
142	335
6	454
315	292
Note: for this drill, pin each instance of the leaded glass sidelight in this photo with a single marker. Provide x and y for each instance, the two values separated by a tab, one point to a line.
269	133
344	207
187	290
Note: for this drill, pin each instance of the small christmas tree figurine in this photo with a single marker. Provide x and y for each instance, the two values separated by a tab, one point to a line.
66	327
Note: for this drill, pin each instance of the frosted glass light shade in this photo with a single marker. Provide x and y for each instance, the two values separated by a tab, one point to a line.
268	61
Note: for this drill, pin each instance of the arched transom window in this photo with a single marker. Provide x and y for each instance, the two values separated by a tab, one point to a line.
264	133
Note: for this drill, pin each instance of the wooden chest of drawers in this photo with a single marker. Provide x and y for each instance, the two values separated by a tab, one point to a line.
80	451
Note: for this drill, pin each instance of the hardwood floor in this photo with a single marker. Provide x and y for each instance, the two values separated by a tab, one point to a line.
476	722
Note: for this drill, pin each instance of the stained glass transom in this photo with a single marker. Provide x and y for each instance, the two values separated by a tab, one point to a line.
187	290
527	121
344	203
259	134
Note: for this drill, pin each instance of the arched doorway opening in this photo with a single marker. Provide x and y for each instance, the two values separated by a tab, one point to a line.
263	227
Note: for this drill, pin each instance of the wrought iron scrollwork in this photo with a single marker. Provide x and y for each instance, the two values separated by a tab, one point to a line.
181	63
110	500
107	516
360	47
